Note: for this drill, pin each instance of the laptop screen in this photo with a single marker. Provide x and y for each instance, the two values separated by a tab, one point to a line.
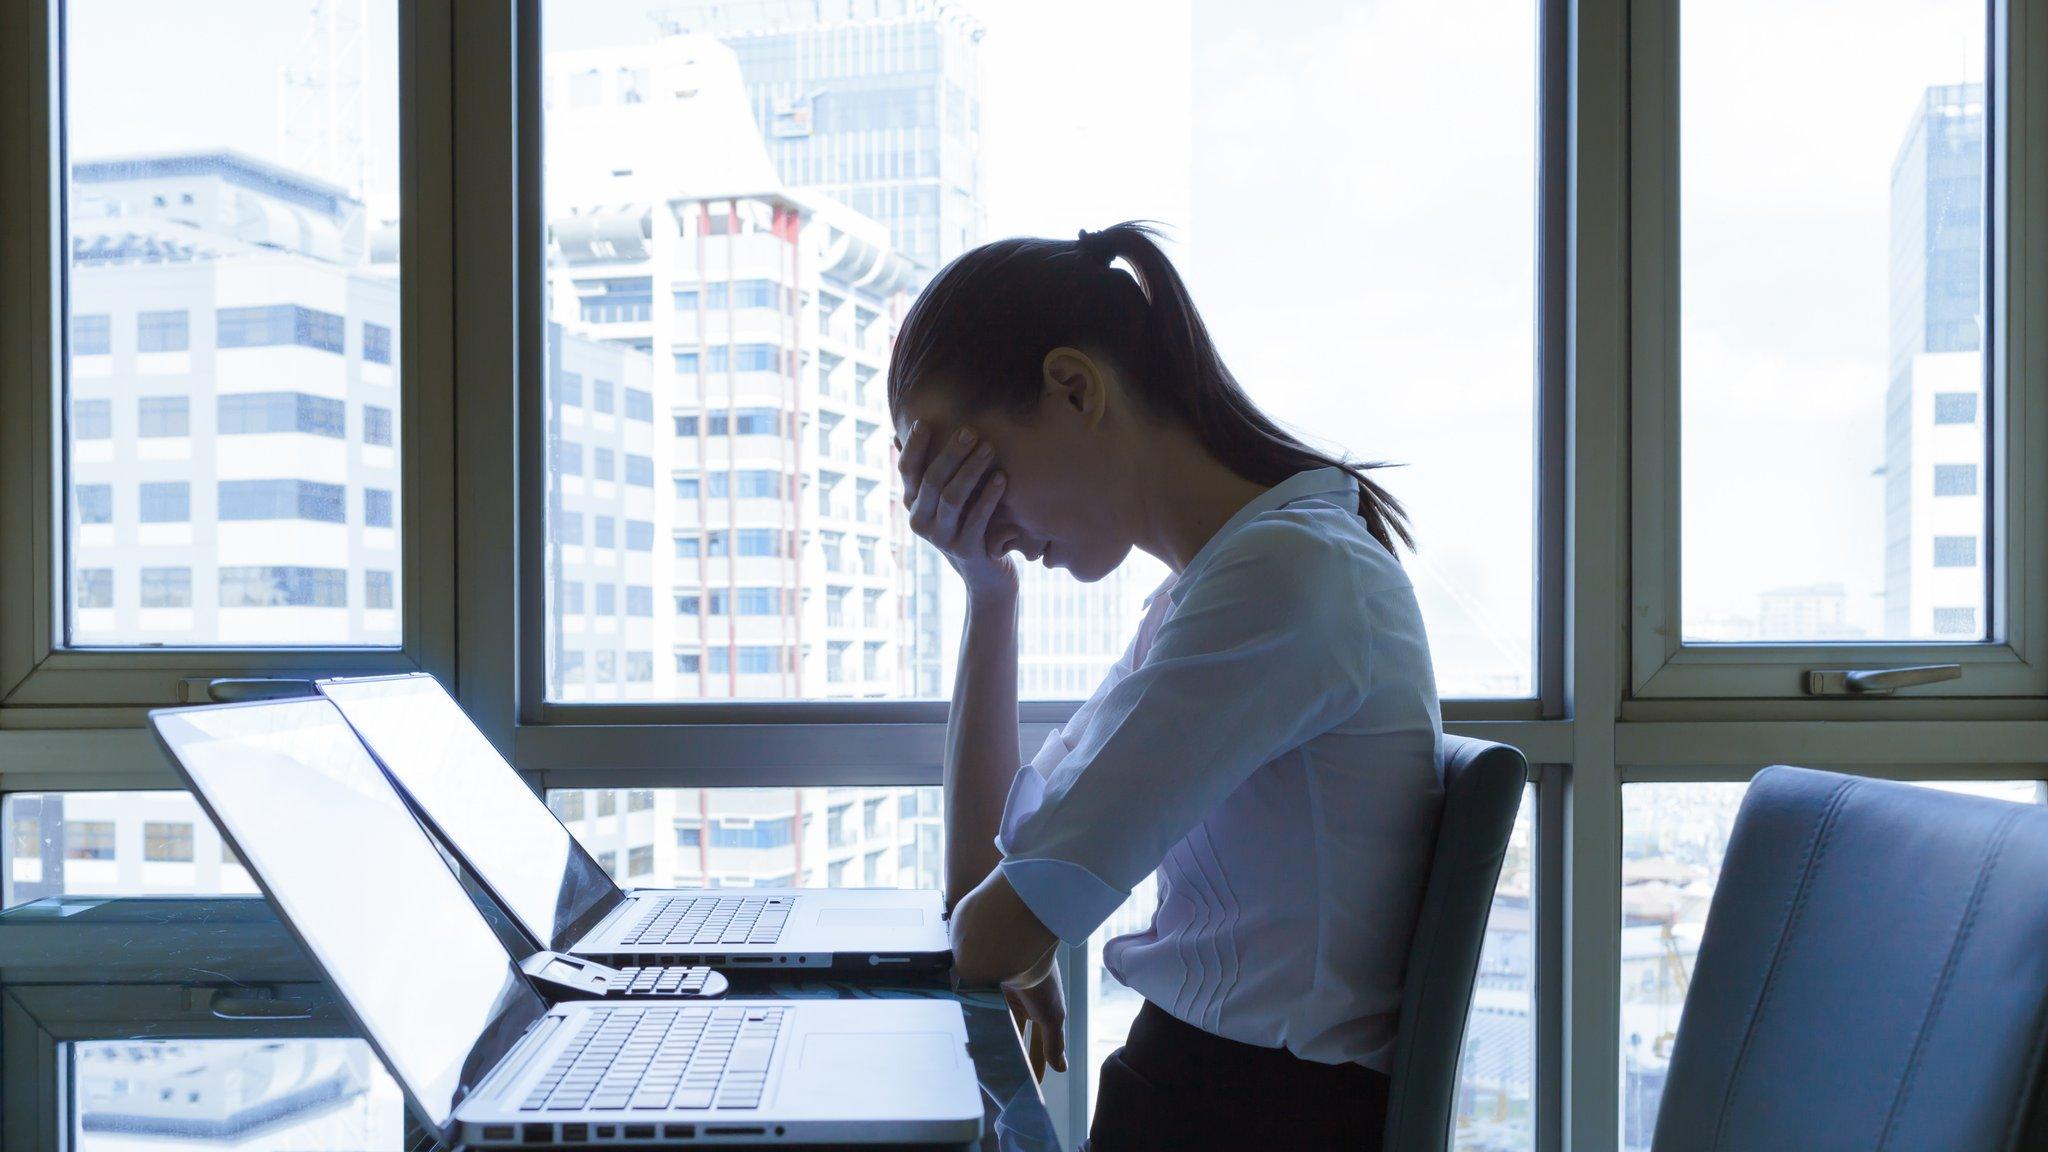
360	882
497	826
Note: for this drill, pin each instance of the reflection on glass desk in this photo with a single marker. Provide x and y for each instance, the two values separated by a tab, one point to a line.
188	1023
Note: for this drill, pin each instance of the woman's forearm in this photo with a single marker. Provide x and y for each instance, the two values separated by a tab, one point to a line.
981	742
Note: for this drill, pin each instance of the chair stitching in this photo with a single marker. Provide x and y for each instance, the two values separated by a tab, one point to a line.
1817	846
1942	985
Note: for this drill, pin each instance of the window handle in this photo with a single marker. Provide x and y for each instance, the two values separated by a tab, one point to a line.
235	689
1877	681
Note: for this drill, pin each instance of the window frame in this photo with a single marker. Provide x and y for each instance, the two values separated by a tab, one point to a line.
43	679
2014	661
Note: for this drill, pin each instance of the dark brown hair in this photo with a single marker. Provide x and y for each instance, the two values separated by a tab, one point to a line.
987	320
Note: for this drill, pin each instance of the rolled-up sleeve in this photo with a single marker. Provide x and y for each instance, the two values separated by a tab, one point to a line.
1267	649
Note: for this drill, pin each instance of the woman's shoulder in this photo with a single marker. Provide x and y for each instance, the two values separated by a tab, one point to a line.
1319	539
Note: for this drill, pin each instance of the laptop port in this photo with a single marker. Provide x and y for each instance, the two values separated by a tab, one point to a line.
497	1131
573	1133
679	1131
730	1130
750	960
606	1131
639	1131
537	1134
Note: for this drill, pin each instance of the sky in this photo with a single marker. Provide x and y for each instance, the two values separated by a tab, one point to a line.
1350	190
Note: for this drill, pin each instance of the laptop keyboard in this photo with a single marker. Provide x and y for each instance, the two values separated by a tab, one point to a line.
655	980
648	1059
712	920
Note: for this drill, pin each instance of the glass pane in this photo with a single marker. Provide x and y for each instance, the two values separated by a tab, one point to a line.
1496	1076
274	1094
1832	321
113	844
1673	839
231	371
723	511
760	837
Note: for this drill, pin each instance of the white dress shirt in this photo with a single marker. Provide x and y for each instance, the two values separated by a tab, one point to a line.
1270	745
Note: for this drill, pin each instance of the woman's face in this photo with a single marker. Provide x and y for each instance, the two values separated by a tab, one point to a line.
1064	504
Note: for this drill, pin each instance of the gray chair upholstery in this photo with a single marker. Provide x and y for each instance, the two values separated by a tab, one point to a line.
1482	792
1873	975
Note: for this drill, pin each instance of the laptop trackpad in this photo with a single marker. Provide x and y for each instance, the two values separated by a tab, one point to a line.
870	917
864	1052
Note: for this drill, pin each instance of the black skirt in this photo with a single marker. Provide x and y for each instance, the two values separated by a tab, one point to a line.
1174	1086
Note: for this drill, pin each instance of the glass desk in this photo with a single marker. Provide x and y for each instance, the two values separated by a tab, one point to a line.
173	1023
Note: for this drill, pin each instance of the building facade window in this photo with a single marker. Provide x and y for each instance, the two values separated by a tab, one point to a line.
568	458
92	334
88	839
639	470
1955	551
167	841
639	536
166	587
278	325
253	413
376	343
167	331
601	396
607	534
640	405
92	419
1955	621
1955	407
639	667
377	507
639	600
166	502
95	503
1955	479
568	527
377	591
607	599
163	416
640	860
93	588
376	425
283	500
283	587
601	463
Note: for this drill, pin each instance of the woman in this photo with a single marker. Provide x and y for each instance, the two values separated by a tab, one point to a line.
1268	744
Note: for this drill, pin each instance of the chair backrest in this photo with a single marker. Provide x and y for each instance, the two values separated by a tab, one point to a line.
1482	792
1873	974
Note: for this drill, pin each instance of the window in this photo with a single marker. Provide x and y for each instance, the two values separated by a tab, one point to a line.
1809	268
607	599
376	343
163	416
567	805
759	601
168	502
607	532
283	587
602	464
688	488
91	335
639	600
640	860
376	508
167	331
282	500
376	425
94	588
607	665
688	663
279	324
1955	551
568	458
688	605
92	419
258	412
1955	479
95	503
166	587
377	589
686	425
639	800
1955	407
688	547
568	527
167	842
89	840
568	387
1956	622
571	593
639	536
639	470
601	396
757	660
639	667
640	405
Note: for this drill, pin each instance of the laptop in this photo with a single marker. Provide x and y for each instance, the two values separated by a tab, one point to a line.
483	1058
516	848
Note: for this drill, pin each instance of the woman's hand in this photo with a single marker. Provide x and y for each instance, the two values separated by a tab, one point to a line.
952	490
1044	1005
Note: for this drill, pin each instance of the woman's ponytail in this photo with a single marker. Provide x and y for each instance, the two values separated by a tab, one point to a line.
989	317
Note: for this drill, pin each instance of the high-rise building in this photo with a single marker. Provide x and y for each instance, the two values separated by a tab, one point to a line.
1934	407
234	413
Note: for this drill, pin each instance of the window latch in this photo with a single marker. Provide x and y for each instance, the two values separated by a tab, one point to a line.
235	689
1877	681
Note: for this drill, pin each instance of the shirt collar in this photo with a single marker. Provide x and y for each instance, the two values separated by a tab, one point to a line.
1314	482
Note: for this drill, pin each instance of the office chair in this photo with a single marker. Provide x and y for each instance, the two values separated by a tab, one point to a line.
1482	791
1873	975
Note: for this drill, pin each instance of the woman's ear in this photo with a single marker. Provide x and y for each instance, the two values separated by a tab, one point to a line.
1074	380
